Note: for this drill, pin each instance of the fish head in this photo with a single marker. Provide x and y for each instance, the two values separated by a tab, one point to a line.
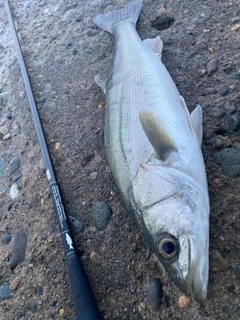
174	214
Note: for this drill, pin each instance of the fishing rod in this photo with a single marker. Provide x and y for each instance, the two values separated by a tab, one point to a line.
84	302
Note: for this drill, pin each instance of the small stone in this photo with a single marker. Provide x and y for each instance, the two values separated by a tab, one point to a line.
24	181
14	191
44	236
31	265
236	27
15	283
42	202
208	134
204	314
6	238
184	302
3	98
235	268
93	175
57	145
234	123
2	168
232	109
40	291
237	311
7	136
77	226
203	71
9	116
100	215
17	177
19	248
20	314
3	130
210	90
93	256
218	112
224	91
101	104
32	305
212	66
69	15
163	22
155	294
61	312
14	164
91	32
28	4
5	292
235	19
229	160
217	262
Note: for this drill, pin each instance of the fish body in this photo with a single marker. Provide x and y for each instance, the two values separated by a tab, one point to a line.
153	146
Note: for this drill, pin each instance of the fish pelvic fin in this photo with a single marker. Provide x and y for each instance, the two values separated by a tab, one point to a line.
155	44
194	120
158	136
130	11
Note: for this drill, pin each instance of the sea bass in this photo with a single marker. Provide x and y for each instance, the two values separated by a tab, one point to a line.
154	151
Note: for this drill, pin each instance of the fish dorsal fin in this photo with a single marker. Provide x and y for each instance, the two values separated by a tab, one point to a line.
194	120
196	117
155	44
159	138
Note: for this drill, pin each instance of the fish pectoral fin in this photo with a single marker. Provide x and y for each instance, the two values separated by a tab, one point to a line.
196	117
101	80
194	120
155	44
159	138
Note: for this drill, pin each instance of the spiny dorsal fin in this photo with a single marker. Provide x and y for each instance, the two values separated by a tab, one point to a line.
157	134
196	117
194	120
155	44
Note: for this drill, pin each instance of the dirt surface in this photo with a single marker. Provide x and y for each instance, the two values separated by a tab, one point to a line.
63	54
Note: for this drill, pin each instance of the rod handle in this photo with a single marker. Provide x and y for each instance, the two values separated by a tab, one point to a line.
84	301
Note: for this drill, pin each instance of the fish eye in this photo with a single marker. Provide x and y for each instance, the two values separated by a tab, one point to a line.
167	246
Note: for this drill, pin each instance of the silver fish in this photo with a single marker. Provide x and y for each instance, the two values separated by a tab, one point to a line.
154	151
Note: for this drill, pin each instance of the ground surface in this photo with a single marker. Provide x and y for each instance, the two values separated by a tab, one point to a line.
62	57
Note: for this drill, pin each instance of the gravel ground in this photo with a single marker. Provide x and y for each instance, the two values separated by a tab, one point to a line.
63	50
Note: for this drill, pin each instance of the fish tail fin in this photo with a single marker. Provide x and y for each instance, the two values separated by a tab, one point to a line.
130	11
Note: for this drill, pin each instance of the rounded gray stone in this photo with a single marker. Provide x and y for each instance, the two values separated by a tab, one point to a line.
20	314
32	305
155	294
2	168
3	98
100	215
14	191
5	292
77	226
6	238
229	160
14	164
234	123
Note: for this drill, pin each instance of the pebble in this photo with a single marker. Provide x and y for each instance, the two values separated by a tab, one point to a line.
235	19
224	91
163	22
9	116
19	248
184	302
14	191
204	314
77	226
4	130
6	238
32	305
217	262
229	160
3	98
14	164
5	292
44	236
15	283
100	215
91	32
20	314
210	90
155	294
236	27
232	109
7	136
234	123
69	15
40	291
93	256
235	268
17	177
61	312
218	112
28	4
93	175
212	66
237	311
208	134
2	168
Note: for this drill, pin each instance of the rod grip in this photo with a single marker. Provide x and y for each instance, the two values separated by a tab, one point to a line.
84	301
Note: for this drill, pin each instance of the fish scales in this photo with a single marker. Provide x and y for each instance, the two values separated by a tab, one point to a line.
153	148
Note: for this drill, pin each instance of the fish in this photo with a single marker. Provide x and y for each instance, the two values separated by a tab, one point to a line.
153	146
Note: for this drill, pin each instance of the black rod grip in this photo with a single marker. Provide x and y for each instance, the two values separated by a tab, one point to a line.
84	302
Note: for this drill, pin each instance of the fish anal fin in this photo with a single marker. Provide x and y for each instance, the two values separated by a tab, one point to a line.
159	138
155	44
